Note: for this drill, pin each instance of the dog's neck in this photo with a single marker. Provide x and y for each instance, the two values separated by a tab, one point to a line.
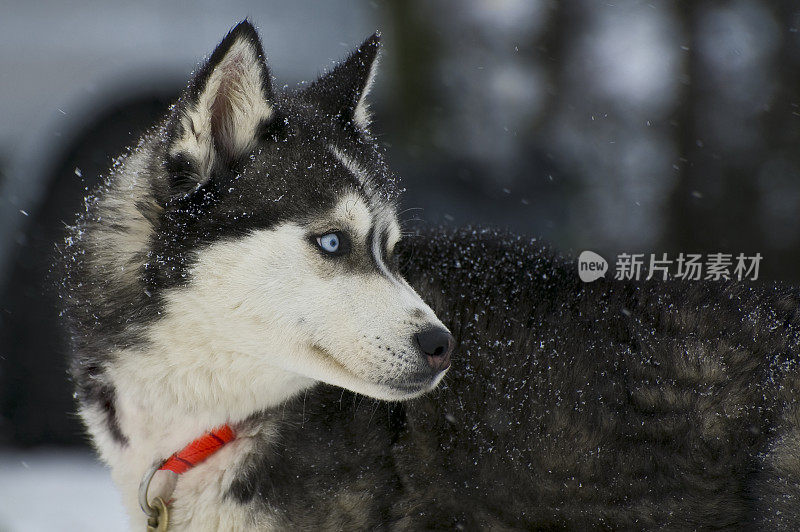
161	407
193	374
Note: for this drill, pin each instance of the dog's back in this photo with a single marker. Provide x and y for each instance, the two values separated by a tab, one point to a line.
612	405
604	404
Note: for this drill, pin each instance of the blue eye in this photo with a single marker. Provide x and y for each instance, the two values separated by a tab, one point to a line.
329	242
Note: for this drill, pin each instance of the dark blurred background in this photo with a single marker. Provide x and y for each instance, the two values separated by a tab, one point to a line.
636	126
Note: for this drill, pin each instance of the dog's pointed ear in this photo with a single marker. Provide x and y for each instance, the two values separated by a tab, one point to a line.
217	119
342	92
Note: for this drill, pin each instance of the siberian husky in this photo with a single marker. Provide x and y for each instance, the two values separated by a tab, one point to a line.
239	288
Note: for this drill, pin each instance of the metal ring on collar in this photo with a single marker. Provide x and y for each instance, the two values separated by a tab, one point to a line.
144	485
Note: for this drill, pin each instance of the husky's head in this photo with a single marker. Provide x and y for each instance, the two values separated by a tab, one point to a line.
270	233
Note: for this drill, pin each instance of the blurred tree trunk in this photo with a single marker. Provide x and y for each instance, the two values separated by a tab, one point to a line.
414	70
694	209
782	126
716	202
550	52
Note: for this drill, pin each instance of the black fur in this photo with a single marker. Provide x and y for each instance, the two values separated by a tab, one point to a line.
611	405
338	92
331	466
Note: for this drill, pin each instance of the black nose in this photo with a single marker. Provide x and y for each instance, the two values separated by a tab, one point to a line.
436	344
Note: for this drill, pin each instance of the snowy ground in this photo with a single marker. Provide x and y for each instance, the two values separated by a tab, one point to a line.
53	489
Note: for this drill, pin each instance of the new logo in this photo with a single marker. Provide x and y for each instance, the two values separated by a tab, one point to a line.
591	266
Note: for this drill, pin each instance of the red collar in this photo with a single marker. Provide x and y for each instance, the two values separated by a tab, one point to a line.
198	450
158	512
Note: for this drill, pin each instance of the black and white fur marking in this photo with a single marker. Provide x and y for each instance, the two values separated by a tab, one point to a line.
197	295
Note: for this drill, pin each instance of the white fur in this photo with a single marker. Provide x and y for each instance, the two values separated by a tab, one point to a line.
117	253
384	214
362	116
353	167
392	228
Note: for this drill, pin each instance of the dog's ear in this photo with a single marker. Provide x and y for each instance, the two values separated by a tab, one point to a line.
342	92
217	119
